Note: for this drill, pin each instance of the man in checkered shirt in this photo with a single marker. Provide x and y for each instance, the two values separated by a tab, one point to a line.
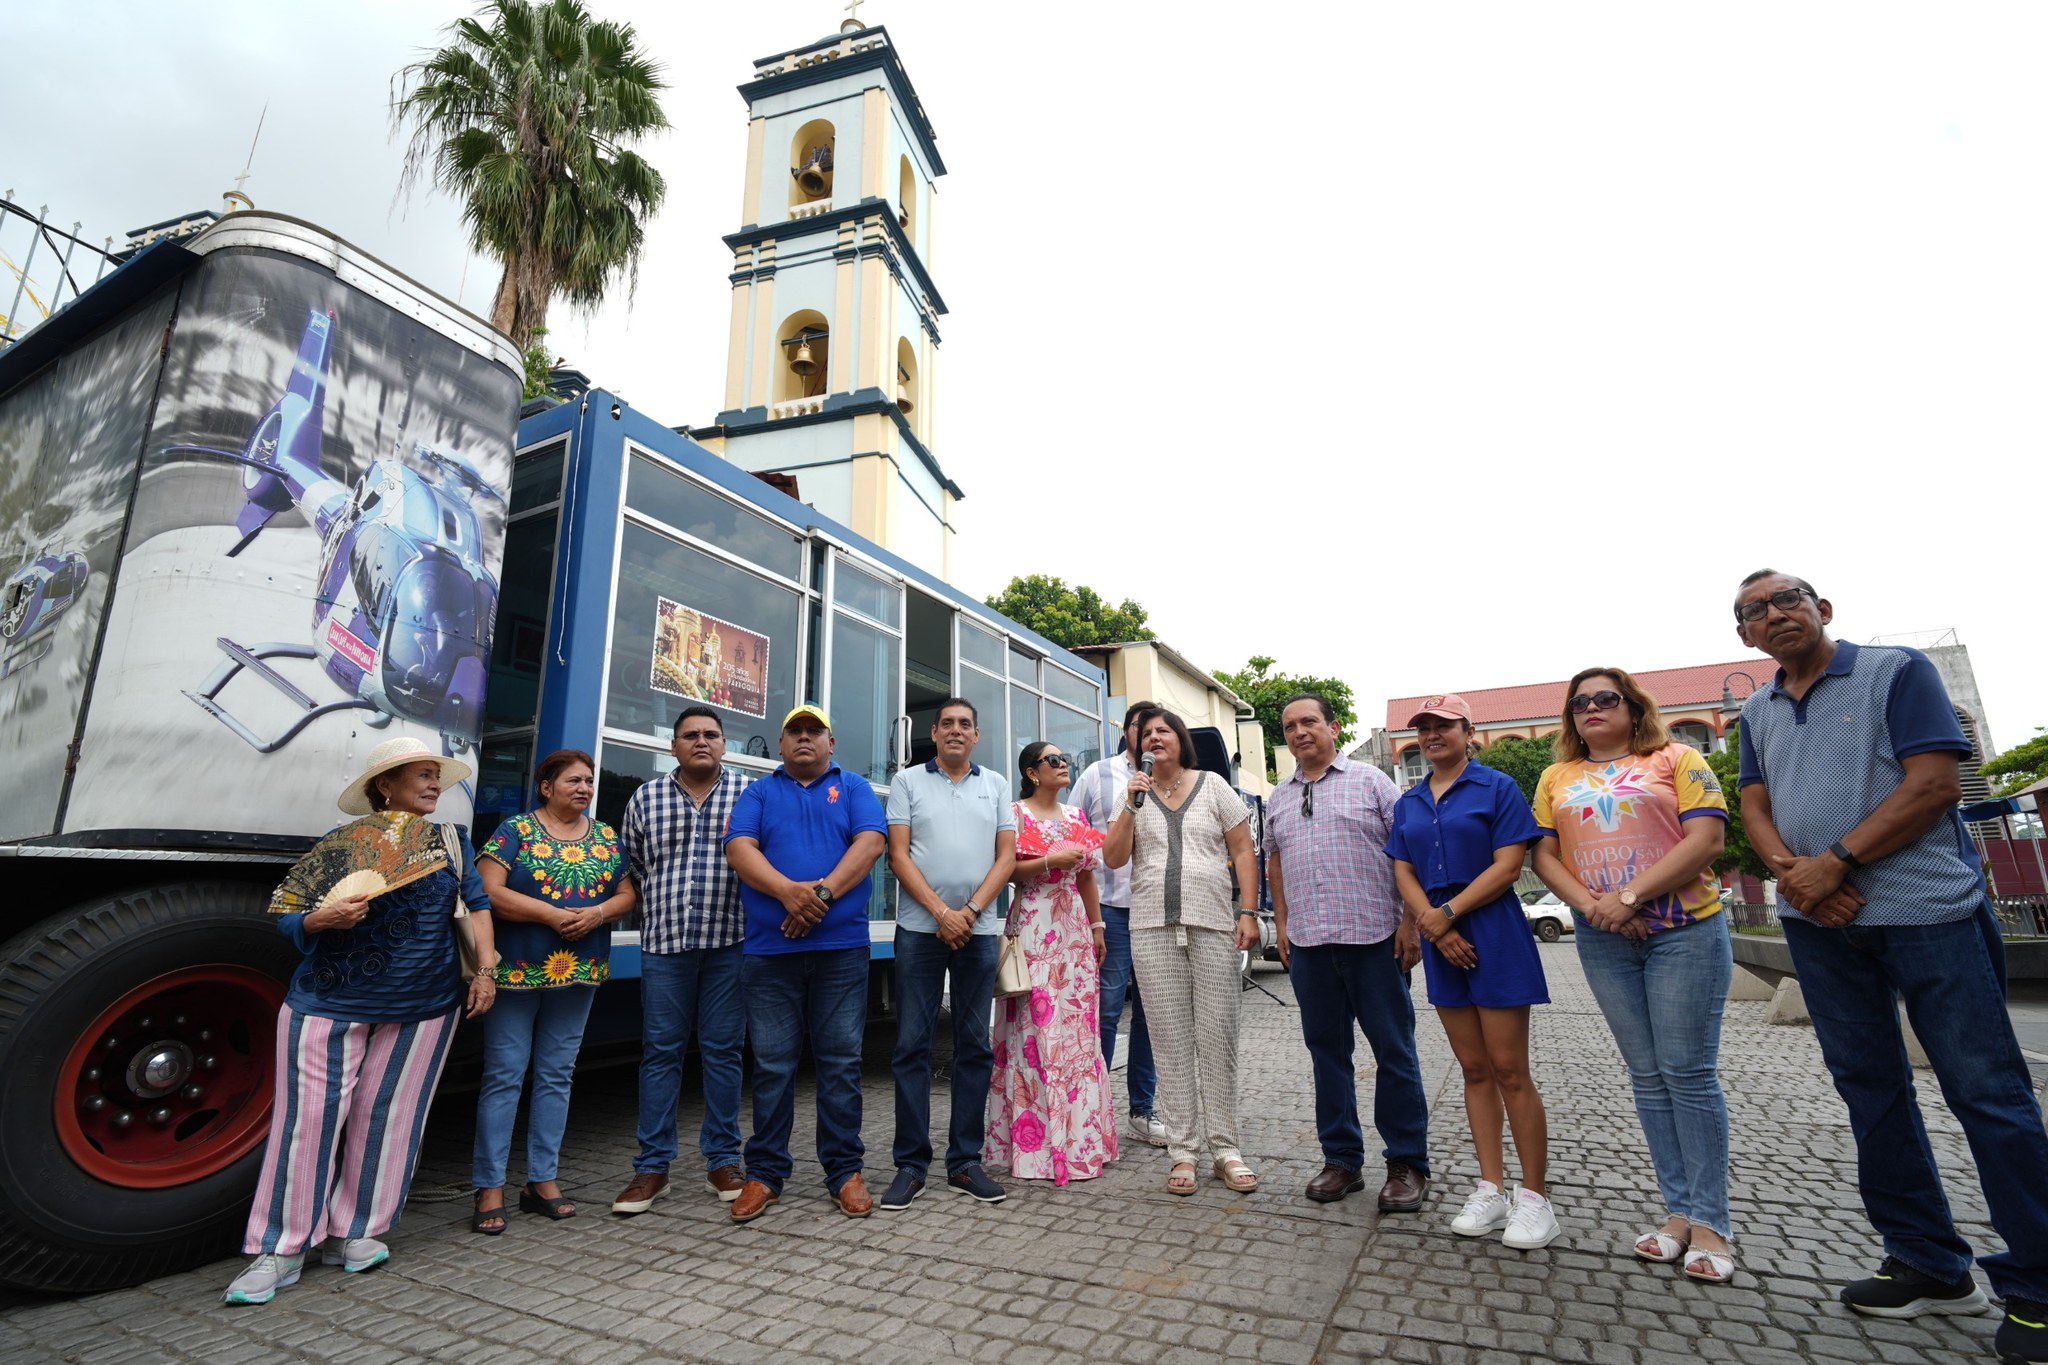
691	925
1849	784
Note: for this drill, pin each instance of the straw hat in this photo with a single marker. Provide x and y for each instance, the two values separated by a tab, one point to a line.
396	753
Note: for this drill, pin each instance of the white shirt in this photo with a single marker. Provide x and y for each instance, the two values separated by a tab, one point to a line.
1100	793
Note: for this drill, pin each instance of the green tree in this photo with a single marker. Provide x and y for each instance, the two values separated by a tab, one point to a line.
1522	759
1070	616
2021	766
523	117
1738	855
1267	693
537	365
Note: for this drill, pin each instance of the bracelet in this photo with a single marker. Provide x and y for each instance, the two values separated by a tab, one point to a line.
1242	913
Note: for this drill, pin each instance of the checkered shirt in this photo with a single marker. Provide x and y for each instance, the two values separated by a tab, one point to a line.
1334	870
689	894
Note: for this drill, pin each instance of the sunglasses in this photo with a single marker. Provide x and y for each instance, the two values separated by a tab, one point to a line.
1784	600
1594	701
1308	800
1057	760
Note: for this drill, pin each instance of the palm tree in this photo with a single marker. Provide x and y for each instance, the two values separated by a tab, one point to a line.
522	117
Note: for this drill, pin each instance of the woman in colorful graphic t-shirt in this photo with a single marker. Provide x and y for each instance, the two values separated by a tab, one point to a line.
1631	822
558	878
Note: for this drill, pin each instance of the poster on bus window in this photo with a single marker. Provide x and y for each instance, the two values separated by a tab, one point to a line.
709	660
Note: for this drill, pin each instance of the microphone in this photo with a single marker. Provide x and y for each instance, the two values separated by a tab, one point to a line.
1145	766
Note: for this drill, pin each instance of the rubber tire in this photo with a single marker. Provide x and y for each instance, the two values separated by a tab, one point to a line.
61	1229
1548	931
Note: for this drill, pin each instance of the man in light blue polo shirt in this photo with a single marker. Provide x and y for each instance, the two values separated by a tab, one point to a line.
952	843
1849	787
803	840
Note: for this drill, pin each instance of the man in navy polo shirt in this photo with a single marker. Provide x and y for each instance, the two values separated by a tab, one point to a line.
1849	787
803	840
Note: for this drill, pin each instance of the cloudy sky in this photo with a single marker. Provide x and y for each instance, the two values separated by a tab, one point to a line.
1427	346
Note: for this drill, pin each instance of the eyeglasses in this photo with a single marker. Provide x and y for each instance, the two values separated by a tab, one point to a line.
1784	600
1308	800
1594	701
1057	760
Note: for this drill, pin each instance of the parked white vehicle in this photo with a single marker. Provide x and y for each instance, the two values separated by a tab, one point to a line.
1549	917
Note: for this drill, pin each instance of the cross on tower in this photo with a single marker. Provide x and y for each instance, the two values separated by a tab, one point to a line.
853	12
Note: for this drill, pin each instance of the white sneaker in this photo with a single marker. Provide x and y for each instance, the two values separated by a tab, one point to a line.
1149	1128
1486	1210
354	1255
1533	1223
266	1275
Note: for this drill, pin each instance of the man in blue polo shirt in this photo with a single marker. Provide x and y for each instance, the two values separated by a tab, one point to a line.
1849	787
952	843
803	840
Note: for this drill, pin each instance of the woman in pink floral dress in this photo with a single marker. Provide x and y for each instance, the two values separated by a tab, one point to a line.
1049	1110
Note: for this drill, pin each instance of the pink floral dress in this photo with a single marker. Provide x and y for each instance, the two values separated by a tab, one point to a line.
1050	1116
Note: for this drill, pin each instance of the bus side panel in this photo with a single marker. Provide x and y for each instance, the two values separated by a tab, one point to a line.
69	441
313	565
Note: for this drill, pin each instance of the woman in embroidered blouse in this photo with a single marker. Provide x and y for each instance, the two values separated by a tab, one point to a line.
1183	845
361	1039
1050	1116
1630	823
557	880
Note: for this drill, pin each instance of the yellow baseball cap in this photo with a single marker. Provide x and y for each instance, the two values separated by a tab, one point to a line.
809	708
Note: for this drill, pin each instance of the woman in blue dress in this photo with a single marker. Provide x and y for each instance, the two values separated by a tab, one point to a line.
557	883
1458	841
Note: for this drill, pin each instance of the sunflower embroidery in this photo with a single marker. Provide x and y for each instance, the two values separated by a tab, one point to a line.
559	967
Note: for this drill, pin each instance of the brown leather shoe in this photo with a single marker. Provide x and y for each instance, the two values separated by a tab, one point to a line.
640	1193
1404	1188
853	1198
752	1201
1334	1183
725	1182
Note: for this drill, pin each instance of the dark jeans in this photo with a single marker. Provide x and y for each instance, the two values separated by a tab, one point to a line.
922	965
1334	984
697	989
1952	979
790	997
1118	983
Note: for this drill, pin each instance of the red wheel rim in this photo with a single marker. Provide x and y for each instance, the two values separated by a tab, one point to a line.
173	1081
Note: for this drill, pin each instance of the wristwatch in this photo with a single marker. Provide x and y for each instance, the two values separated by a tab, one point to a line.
823	893
971	908
1845	855
1449	914
1629	899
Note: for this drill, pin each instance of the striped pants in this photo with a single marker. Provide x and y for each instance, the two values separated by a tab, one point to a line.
345	1125
1191	1012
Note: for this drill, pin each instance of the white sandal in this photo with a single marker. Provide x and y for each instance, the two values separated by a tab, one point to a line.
1719	1267
1668	1248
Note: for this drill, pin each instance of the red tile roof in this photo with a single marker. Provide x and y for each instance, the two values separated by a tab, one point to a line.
1699	685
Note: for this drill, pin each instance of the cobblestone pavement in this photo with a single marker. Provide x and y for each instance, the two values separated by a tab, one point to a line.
1112	1269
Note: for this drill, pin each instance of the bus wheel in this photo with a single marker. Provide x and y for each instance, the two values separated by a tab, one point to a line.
137	1033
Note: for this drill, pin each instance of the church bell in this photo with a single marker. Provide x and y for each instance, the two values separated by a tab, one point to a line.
803	362
903	403
810	177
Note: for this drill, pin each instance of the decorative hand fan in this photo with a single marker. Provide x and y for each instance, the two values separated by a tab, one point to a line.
370	856
1032	843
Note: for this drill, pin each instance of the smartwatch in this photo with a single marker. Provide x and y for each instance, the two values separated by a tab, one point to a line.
971	908
1449	914
823	893
1845	855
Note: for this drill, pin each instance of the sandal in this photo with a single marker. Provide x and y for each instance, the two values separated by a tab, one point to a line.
479	1220
558	1208
1710	1267
1176	1182
1233	1172
1663	1248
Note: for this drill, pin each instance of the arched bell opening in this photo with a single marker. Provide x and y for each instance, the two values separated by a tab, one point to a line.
909	400
803	357
810	164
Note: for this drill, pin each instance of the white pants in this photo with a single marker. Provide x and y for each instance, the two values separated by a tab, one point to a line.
1190	995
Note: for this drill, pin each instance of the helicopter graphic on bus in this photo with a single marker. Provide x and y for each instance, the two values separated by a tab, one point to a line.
32	600
402	614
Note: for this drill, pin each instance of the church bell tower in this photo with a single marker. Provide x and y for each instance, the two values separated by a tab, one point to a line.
832	355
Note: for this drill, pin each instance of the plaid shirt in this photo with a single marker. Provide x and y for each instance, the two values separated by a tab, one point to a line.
1335	873
689	894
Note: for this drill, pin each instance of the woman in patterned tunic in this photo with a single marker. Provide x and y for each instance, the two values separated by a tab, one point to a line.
1050	1115
557	881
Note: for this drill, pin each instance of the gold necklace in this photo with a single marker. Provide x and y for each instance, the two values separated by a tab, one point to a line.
1174	790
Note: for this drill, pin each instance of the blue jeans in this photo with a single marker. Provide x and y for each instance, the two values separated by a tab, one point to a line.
1335	983
821	996
1119	983
922	964
1952	979
545	1028
1663	998
679	991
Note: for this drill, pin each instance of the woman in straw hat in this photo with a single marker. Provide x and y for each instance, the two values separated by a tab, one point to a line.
362	1036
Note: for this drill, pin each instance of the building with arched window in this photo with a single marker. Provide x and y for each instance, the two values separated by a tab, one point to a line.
833	335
